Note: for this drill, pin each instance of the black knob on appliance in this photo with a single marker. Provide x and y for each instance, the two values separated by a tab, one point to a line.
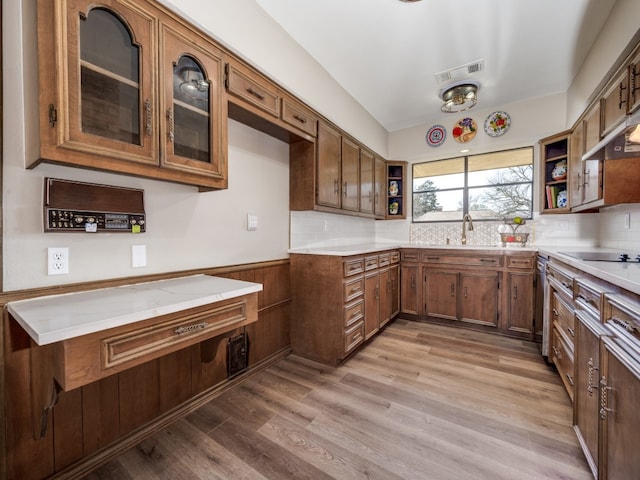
623	257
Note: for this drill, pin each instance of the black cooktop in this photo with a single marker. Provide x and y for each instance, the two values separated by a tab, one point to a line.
604	256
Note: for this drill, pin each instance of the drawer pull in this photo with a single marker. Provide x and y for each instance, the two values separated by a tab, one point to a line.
411	257
557	352
570	379
300	119
571	331
258	95
190	328
555	312
433	258
627	325
604	410
591	386
488	260
565	285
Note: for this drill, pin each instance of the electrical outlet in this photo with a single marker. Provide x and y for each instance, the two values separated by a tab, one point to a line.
57	261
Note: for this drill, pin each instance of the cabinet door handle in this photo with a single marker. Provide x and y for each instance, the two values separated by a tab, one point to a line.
258	95
571	331
604	409
465	292
336	188
570	379
170	124
413	282
557	352
453	290
621	88
591	386
515	292
344	190
148	122
555	312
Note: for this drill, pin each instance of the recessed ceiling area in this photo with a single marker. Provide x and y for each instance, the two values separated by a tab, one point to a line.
390	55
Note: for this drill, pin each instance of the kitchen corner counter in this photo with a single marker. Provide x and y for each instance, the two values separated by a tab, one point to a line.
61	317
622	274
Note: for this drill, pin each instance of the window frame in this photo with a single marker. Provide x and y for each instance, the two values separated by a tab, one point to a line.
465	188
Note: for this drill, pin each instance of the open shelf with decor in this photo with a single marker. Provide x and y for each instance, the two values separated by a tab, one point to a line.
554	155
396	175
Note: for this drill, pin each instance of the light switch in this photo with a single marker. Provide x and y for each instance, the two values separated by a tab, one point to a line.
138	256
252	222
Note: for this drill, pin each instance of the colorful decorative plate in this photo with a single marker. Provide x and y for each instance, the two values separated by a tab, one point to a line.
497	124
436	135
464	130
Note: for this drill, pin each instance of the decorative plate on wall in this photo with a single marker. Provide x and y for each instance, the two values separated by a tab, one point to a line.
497	124
464	130
436	135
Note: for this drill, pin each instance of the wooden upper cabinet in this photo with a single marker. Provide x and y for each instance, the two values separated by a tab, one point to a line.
614	104
328	167
192	92
299	116
634	83
256	91
380	187
350	175
106	92
574	173
367	182
592	127
108	77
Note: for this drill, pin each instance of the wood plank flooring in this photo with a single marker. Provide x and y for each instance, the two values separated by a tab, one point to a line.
420	401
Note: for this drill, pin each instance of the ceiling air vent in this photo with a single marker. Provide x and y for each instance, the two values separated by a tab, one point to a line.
456	73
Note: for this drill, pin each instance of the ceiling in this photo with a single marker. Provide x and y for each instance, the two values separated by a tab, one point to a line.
386	53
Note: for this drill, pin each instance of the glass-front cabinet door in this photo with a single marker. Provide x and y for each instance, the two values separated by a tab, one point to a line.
191	92
111	72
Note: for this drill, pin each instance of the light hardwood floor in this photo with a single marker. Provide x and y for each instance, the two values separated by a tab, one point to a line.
420	401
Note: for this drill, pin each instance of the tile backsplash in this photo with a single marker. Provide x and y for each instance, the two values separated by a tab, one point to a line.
614	227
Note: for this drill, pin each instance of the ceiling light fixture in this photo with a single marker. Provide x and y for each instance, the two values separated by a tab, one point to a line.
459	96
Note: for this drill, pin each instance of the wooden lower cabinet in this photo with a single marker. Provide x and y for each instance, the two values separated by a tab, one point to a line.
587	390
340	302
482	289
101	419
619	389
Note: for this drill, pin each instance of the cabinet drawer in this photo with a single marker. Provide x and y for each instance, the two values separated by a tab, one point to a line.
371	263
589	295
520	262
250	88
394	257
353	336
563	316
353	267
298	116
488	261
87	358
353	289
561	279
384	259
562	357
353	312
410	256
623	312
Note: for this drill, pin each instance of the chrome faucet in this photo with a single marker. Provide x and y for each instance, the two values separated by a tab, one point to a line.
464	227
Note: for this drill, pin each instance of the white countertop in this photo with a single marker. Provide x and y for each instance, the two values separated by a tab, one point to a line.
347	250
59	317
623	274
